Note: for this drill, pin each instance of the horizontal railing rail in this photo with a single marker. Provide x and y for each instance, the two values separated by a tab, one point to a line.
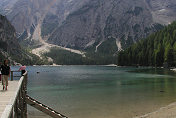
12	74
44	108
17	108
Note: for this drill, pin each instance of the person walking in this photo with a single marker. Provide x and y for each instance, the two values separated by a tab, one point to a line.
5	71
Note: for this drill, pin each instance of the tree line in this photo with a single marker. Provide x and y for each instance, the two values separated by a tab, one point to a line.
64	57
156	50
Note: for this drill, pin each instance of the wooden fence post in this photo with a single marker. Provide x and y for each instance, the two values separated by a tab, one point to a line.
25	93
11	75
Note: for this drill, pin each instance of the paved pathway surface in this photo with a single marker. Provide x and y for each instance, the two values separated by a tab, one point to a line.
6	96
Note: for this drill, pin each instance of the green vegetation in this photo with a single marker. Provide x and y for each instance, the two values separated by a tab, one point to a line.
3	45
155	50
108	47
2	57
95	58
29	44
106	53
28	59
126	43
101	57
22	55
155	27
63	57
23	58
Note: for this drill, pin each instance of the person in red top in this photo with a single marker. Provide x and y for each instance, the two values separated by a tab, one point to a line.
22	69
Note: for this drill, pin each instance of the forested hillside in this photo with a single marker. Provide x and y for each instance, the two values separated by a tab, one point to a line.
63	57
157	49
10	47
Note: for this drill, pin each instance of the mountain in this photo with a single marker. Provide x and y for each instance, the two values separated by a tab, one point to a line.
10	47
8	40
158	49
124	21
83	24
163	11
25	15
6	6
100	28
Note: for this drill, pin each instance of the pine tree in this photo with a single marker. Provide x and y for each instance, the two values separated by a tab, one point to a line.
158	48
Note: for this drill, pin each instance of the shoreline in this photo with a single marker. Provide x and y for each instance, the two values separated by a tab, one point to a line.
168	111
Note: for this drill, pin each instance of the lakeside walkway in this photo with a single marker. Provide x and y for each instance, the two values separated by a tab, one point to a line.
13	102
7	96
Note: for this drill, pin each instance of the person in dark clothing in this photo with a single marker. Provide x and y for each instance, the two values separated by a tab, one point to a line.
5	71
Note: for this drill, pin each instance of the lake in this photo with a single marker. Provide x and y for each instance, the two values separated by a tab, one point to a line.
100	91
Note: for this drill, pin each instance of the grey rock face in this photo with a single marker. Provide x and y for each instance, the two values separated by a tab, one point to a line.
83	23
163	11
26	14
6	6
126	21
8	40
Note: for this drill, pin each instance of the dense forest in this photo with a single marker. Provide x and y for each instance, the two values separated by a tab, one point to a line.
26	59
156	50
64	57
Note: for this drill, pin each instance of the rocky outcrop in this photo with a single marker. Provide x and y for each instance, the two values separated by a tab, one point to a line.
9	45
81	24
25	15
8	40
125	21
163	11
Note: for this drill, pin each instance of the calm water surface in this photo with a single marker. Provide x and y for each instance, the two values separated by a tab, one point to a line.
101	92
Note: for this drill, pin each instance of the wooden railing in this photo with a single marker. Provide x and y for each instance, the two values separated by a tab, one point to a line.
12	74
17	108
44	108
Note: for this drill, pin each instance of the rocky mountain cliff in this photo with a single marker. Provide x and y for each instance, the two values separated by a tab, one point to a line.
163	11
8	41
84	24
25	15
10	47
124	21
6	6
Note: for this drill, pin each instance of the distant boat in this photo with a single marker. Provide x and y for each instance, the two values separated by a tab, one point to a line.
38	72
111	65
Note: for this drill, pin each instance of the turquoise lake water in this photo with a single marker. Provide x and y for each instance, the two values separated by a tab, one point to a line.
100	91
